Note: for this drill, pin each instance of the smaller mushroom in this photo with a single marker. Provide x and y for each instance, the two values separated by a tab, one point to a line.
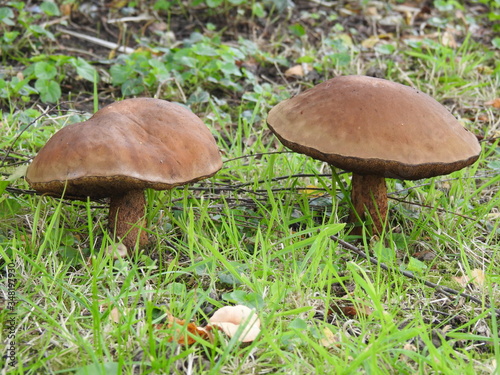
376	129
237	319
123	149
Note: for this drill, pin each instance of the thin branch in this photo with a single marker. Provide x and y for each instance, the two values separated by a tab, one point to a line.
11	146
98	41
442	289
258	155
431	207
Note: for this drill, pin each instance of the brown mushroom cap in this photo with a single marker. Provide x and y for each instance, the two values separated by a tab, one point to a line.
129	145
372	126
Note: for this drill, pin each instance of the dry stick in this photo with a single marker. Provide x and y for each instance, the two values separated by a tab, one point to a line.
443	289
11	146
431	207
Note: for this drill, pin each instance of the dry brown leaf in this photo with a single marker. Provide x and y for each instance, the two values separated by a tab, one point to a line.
495	103
477	277
448	39
185	336
298	70
351	311
227	319
329	338
114	315
461	280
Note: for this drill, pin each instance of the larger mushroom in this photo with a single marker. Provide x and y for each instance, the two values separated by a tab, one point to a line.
123	149
376	129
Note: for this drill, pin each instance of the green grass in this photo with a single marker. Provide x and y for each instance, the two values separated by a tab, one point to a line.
252	234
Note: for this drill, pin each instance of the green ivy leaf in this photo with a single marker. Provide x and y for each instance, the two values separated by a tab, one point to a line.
240	297
6	15
84	69
9	37
50	8
204	49
297	30
3	186
214	3
120	74
49	90
45	70
132	87
40	31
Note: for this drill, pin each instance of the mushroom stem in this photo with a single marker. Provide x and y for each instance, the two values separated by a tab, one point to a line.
126	218
368	195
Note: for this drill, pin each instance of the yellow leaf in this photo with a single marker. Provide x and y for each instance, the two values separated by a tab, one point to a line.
478	277
329	338
370	42
297	71
312	191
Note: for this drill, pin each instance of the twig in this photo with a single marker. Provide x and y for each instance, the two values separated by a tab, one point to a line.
432	207
99	42
11	146
258	155
442	289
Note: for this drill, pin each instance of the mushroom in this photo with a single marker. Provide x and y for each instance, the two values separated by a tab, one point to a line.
237	319
123	149
376	129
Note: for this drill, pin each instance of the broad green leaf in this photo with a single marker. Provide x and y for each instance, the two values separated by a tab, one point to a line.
297	30
39	30
84	69
121	73
107	368
9	207
240	297
10	36
49	90
6	15
132	87
45	70
214	3
416	266
3	186
204	49
50	8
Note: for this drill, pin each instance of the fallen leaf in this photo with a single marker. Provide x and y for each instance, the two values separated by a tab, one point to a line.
312	191
298	70
370	42
477	277
461	280
351	311
329	338
228	319
185	336
448	39
114	315
495	103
